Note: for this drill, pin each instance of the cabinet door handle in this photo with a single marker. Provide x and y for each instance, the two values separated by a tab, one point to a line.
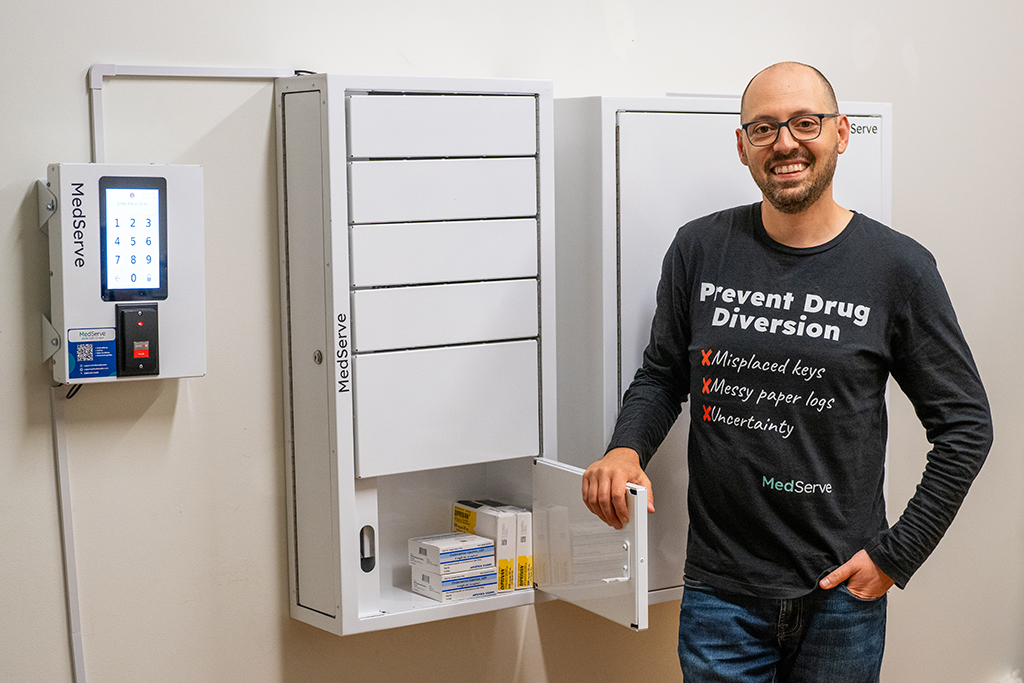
367	552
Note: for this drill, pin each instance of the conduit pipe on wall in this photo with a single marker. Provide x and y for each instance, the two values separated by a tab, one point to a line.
97	74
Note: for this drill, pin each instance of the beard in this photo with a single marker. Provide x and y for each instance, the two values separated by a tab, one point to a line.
791	199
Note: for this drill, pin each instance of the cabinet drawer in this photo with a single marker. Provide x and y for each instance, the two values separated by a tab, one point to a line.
418	410
407	317
442	189
442	125
411	253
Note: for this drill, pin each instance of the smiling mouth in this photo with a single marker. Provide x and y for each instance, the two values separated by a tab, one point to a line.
789	168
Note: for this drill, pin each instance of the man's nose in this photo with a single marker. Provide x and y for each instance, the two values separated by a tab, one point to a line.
785	140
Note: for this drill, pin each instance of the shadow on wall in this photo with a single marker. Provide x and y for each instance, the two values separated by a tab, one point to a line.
496	647
551	642
580	647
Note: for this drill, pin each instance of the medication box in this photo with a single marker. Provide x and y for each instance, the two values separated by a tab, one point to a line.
451	553
524	546
501	522
479	583
475	517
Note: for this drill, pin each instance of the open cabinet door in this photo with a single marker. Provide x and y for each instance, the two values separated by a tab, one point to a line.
580	559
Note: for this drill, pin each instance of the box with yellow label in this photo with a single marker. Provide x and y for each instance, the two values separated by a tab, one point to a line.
474	517
524	541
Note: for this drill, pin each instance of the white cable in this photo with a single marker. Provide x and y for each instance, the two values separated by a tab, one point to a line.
67	535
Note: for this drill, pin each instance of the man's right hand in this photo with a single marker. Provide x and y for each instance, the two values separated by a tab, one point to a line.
604	486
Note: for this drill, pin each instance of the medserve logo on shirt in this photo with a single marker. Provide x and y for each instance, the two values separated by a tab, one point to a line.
794	486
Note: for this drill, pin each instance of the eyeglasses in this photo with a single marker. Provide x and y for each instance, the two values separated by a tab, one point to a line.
805	127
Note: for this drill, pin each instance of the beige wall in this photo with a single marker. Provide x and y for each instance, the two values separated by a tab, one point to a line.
178	484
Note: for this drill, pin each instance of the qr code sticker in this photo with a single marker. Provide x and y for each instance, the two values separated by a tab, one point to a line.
83	353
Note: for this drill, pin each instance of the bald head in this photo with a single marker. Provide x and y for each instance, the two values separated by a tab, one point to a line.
797	70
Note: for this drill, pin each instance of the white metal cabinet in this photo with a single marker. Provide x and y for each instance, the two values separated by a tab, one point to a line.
629	172
417	247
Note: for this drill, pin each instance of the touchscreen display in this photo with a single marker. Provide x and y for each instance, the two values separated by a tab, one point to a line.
133	235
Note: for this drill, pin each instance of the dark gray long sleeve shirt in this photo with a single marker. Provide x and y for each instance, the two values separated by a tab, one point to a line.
784	354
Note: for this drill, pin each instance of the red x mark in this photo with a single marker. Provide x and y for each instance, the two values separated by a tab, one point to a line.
707	357
707	385
707	413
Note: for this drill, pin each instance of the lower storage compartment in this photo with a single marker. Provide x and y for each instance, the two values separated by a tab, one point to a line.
411	505
575	557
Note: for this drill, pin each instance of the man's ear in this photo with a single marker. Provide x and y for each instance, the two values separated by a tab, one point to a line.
844	133
743	153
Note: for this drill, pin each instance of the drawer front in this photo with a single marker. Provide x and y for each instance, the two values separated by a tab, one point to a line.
408	317
413	253
432	408
402	126
442	189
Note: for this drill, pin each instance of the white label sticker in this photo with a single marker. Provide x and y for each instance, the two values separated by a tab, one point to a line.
92	335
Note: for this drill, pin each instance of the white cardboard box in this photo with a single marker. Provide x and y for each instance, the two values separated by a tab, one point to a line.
451	553
524	541
479	583
476	517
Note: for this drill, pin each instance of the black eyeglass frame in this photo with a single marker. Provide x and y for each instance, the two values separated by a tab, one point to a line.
785	124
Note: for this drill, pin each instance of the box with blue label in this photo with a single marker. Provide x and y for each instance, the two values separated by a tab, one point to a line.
451	553
478	583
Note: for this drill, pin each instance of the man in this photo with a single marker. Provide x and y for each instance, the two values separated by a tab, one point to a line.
782	322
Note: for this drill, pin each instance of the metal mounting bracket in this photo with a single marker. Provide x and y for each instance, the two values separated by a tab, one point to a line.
51	339
47	202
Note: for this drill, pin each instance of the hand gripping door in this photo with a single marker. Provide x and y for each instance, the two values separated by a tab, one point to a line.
580	559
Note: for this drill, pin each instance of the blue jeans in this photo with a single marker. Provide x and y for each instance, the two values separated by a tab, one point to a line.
823	637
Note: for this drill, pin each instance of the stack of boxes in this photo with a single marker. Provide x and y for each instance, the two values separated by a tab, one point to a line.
511	529
453	567
489	551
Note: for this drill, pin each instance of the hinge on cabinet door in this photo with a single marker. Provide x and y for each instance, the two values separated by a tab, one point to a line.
536	128
618	272
625	567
